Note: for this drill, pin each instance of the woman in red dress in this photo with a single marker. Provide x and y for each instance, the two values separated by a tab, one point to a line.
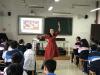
51	49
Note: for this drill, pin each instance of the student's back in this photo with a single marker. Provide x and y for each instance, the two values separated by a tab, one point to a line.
95	67
29	59
21	48
12	49
10	53
16	66
15	69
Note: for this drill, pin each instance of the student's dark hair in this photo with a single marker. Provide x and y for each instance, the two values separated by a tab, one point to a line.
14	69
8	43
17	57
14	44
84	43
78	37
29	46
50	65
93	47
2	40
21	41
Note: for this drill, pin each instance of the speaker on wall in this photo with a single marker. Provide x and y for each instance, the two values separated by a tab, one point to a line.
86	16
9	13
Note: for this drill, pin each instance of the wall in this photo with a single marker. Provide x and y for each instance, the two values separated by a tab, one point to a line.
0	24
81	26
1	20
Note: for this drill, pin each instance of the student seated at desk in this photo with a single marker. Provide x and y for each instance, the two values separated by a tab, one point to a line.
93	48
95	67
49	67
83	54
75	50
94	61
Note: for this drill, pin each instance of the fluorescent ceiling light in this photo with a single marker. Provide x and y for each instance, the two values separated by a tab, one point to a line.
50	8
95	9
54	13
35	6
57	0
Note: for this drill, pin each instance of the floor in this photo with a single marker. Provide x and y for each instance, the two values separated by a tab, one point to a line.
64	67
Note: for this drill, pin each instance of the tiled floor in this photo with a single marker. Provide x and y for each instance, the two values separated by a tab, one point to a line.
64	67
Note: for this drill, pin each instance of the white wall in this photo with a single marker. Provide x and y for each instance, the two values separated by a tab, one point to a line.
1	21
81	26
0	24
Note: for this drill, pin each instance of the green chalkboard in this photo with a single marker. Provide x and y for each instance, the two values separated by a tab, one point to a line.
65	23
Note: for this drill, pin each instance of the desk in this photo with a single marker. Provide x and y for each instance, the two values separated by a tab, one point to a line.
63	44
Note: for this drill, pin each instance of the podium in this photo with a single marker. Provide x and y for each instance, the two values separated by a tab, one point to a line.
63	46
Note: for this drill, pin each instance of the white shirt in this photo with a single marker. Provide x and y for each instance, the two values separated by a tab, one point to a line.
29	59
82	49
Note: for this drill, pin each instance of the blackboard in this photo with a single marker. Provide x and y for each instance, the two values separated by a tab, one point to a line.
65	23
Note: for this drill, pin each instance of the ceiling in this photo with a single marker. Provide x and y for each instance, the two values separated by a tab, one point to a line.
41	6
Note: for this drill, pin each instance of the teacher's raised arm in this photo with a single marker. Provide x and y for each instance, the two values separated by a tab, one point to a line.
59	29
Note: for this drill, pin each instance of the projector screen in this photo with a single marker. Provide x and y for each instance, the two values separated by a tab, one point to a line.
31	25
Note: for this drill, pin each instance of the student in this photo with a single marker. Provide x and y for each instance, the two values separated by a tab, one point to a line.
94	62
94	56
29	59
2	46
94	53
11	50
15	68
2	66
75	49
83	54
49	67
21	46
93	48
95	67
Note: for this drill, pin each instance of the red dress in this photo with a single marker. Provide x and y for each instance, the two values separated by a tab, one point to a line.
51	49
